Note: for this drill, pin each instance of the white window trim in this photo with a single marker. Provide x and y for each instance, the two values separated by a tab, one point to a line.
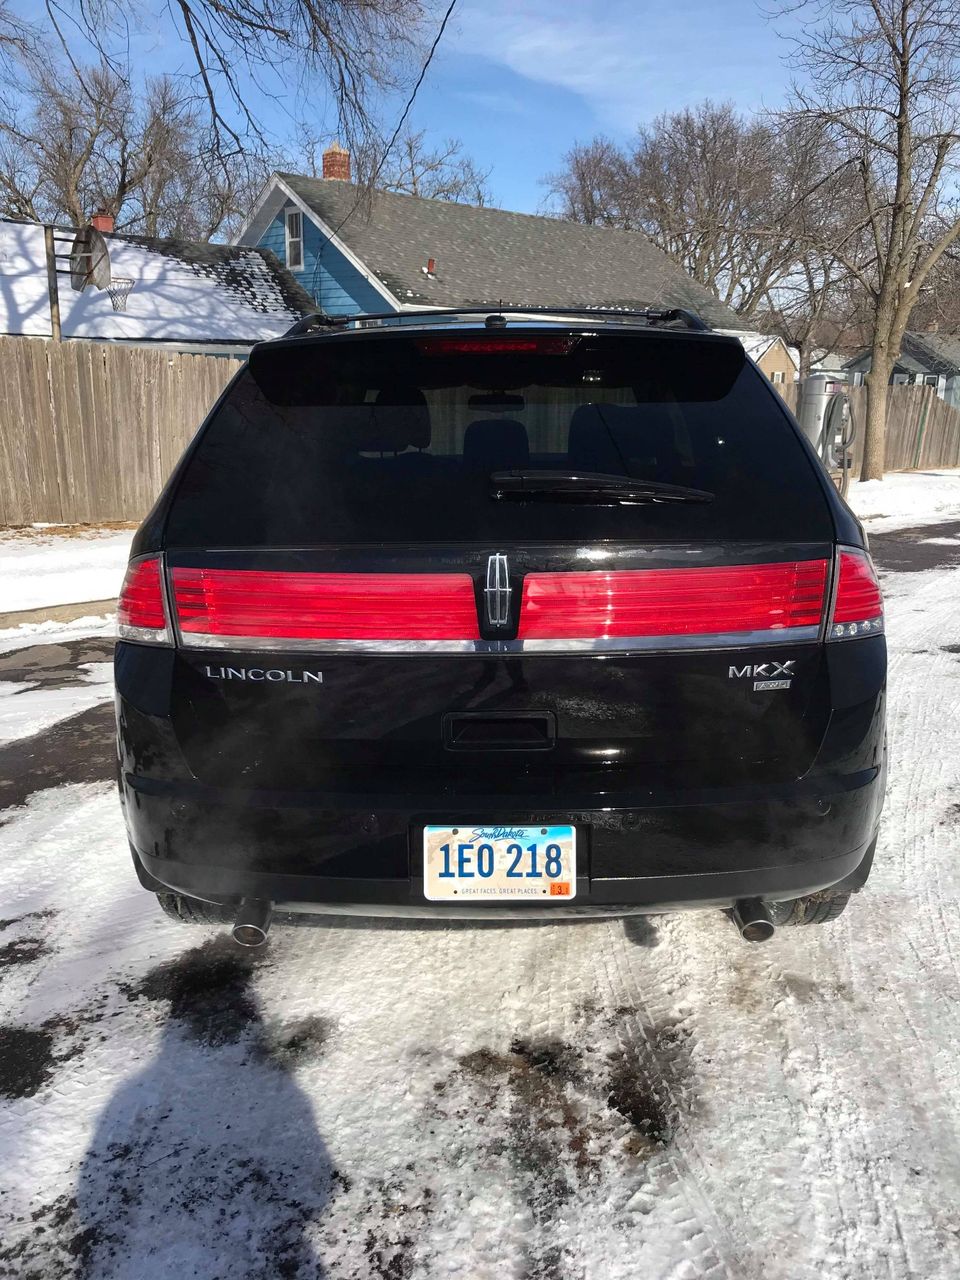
293	242
777	377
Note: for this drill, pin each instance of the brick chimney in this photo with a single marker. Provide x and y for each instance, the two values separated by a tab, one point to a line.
102	221
336	163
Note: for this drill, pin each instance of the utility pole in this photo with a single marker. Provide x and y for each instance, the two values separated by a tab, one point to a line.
52	283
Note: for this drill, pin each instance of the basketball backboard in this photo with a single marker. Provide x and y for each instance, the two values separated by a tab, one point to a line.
89	260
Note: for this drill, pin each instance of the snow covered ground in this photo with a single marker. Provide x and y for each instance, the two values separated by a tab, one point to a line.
578	1102
41	567
906	498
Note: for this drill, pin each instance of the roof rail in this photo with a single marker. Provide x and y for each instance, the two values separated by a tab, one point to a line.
497	316
316	320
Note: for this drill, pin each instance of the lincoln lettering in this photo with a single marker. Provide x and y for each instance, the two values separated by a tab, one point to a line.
272	674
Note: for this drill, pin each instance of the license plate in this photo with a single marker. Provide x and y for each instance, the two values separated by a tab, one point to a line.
499	864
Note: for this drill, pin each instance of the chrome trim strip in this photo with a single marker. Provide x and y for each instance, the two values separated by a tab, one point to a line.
719	640
604	644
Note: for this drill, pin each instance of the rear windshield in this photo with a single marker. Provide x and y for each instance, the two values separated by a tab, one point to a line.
395	438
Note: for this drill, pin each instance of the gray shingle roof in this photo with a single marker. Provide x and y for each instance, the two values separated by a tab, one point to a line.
921	353
940	352
489	256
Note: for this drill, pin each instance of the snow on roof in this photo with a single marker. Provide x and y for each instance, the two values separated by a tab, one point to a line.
757	344
182	290
24	303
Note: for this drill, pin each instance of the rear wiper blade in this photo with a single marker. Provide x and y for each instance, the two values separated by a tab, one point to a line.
582	486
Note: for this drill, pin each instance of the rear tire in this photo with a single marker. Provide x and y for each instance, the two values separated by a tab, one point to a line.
192	911
815	908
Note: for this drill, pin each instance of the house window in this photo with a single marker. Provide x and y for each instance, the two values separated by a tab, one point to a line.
776	377
294	221
931	379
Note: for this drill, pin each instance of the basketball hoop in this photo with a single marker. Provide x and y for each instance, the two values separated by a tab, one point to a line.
119	291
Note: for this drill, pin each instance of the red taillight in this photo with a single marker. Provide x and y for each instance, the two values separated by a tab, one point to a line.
513	345
673	602
858	608
251	604
140	611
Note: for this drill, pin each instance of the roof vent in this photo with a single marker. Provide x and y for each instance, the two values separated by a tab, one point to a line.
336	163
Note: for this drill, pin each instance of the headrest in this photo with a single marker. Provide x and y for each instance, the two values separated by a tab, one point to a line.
495	444
389	425
607	437
407	406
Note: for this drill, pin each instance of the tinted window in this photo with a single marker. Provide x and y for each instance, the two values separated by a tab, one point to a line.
364	440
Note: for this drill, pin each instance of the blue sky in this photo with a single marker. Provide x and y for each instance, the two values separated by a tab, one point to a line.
519	81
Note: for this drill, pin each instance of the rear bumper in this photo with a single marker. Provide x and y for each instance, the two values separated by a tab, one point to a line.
646	853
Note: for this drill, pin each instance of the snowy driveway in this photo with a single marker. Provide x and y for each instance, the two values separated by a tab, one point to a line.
651	1100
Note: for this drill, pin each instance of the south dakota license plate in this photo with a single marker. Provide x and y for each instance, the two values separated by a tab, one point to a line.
499	864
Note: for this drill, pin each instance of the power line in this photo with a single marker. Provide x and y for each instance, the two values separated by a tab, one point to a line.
393	140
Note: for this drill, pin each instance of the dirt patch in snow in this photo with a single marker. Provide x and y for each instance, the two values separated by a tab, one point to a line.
31	1055
207	989
644	1107
26	1060
918	549
80	749
808	991
37	533
547	1139
547	1123
558	1111
56	1243
641	931
46	914
290	1045
26	950
55	666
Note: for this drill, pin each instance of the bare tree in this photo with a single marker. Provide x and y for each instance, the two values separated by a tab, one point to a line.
597	186
818	305
16	35
722	195
349	51
443	172
884	82
75	139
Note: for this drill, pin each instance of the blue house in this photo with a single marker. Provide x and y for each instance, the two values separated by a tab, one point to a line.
353	251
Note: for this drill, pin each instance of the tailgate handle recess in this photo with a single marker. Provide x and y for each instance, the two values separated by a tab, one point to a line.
500	731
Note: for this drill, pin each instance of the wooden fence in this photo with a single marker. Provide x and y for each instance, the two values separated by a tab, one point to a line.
90	431
922	430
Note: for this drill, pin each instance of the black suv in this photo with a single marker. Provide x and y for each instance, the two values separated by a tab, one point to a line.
501	616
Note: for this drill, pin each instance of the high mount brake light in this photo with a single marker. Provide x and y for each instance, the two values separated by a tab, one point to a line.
858	608
513	345
717	601
218	607
141	614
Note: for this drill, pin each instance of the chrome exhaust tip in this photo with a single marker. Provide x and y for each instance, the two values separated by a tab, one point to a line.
252	924
753	919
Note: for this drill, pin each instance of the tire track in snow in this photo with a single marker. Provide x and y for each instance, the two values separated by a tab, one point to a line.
648	988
